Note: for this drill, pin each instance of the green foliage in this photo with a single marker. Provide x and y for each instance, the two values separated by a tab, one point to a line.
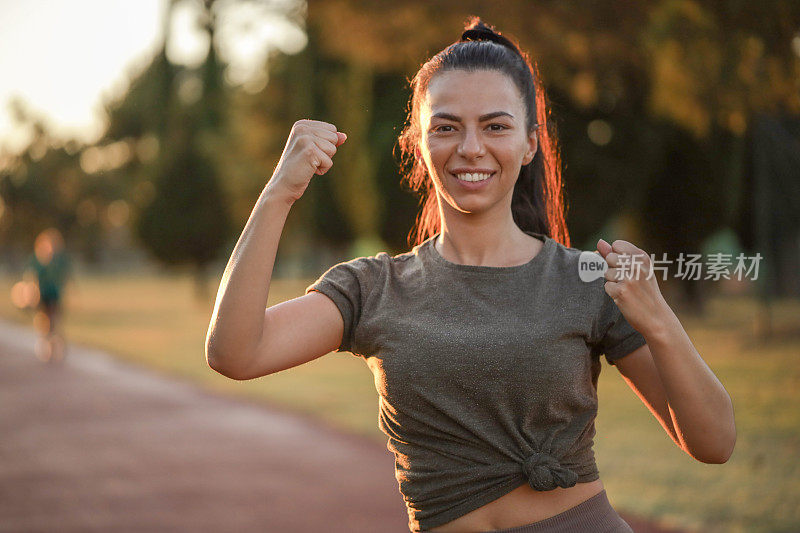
188	220
653	103
145	106
675	82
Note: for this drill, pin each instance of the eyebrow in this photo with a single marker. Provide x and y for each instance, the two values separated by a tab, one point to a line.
482	118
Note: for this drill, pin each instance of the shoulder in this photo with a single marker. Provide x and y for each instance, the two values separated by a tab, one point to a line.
365	270
580	272
565	254
566	260
385	265
385	268
370	264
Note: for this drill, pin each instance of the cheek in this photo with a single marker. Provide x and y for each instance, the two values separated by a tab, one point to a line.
433	145
516	153
434	152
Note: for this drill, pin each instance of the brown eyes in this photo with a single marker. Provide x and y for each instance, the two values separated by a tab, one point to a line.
491	127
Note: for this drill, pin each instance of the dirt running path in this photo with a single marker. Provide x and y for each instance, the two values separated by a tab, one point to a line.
98	445
95	444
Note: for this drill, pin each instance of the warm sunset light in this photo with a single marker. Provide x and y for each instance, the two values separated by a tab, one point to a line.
62	59
352	267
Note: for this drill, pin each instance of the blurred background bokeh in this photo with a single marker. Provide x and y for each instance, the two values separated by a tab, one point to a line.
144	132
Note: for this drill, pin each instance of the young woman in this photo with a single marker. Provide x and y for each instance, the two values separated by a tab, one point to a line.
484	340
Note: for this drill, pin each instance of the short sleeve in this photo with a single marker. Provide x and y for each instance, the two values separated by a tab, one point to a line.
348	284
615	337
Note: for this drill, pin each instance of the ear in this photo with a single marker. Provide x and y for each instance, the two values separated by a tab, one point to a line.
533	146
417	153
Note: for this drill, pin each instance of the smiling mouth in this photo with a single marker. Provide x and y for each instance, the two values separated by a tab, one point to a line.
473	176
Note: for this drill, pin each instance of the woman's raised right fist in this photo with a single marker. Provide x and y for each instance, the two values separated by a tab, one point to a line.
309	150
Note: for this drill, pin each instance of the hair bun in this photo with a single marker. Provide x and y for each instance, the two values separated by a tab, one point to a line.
480	32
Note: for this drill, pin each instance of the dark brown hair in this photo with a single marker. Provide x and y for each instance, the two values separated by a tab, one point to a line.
537	203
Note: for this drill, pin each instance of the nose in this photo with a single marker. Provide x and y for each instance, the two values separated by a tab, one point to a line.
471	144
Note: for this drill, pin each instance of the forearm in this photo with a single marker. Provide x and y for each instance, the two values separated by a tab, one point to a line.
700	407
238	318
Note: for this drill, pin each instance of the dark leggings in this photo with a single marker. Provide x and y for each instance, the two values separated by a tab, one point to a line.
594	515
51	308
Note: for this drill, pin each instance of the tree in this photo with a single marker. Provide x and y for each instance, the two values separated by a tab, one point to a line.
188	220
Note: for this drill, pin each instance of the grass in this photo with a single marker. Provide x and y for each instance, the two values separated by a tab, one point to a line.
156	322
758	489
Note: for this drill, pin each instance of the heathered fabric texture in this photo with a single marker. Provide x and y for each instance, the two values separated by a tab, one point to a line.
486	376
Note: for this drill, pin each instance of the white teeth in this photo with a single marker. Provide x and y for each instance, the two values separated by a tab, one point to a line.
472	177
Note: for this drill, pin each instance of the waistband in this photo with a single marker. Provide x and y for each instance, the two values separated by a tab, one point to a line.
593	515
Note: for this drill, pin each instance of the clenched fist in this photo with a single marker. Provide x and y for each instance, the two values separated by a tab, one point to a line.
309	150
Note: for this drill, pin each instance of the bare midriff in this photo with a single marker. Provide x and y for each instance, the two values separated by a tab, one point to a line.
522	506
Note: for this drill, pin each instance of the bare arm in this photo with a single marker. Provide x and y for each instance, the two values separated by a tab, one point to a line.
698	412
237	323
641	374
699	406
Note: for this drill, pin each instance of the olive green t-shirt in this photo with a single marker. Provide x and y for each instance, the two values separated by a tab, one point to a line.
486	376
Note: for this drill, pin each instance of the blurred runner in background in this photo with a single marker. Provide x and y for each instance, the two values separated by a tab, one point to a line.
49	267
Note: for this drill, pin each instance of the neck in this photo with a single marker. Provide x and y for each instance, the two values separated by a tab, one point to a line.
489	241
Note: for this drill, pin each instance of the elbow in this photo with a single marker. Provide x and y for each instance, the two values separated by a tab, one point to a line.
723	452
728	451
220	360
214	361
717	459
219	364
725	442
729	441
709	458
230	373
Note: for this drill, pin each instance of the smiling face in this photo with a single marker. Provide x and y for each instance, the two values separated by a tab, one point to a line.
472	125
